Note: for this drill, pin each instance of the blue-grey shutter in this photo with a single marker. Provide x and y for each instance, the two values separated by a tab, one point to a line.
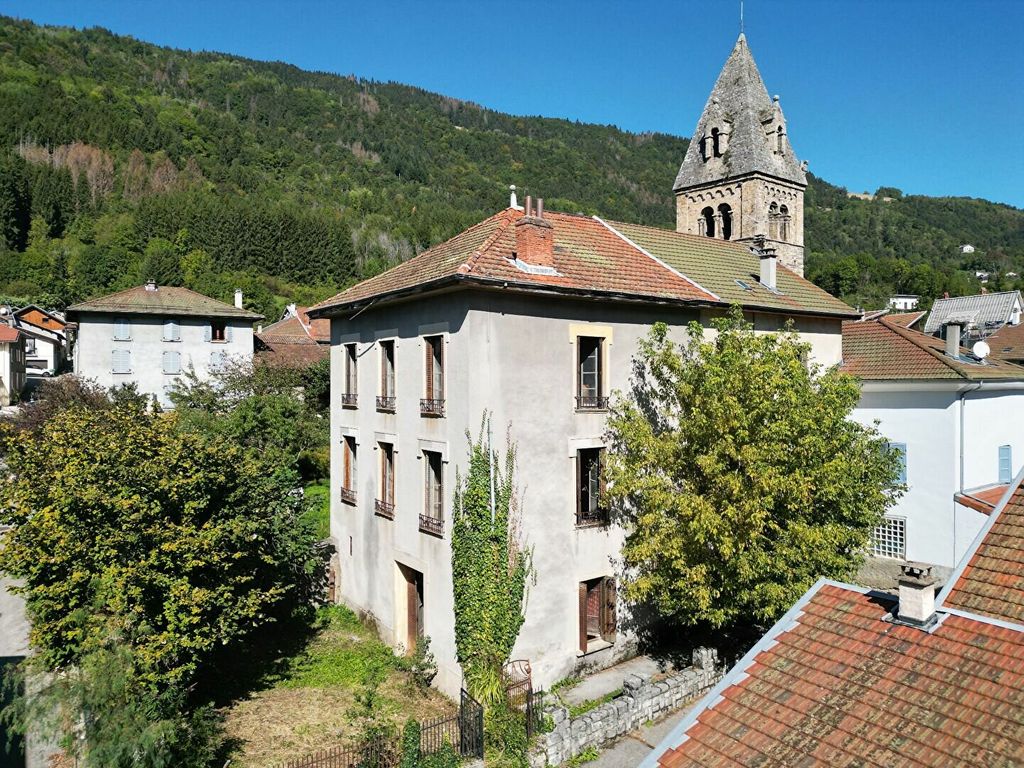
1005	464
227	332
208	333
901	448
122	330
172	331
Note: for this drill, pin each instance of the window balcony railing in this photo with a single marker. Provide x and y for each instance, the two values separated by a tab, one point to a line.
431	525
384	509
596	519
348	495
430	407
386	404
591	403
349	401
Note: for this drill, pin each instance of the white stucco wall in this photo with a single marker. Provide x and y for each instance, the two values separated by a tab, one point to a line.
515	356
12	371
939	530
96	343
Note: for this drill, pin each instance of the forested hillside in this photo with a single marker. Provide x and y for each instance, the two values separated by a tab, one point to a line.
121	160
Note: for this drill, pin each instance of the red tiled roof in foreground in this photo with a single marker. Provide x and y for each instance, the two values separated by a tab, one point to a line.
982	500
990	580
885	350
906	319
8	334
836	683
594	257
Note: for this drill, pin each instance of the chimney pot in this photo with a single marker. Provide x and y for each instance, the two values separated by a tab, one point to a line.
151	285
529	205
540	208
917	595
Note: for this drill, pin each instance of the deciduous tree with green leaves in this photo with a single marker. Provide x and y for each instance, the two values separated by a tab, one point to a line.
739	476
163	552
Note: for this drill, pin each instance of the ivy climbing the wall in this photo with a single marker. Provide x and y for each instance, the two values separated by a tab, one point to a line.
490	568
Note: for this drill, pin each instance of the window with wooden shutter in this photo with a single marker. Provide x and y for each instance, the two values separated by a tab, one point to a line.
1005	464
348	469
218	331
590	373
121	361
349	397
385	503
609	610
172	330
590	508
598	610
583	616
386	398
122	329
432	517
172	362
433	402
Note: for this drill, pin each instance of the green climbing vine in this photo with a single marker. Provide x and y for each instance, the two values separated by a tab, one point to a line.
490	569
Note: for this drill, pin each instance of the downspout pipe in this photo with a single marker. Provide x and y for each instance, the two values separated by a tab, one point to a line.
963	423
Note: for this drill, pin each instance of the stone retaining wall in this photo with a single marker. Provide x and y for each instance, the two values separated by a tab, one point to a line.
641	700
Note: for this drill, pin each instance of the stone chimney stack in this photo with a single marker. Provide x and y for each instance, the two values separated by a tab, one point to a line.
917	595
768	267
535	237
238	298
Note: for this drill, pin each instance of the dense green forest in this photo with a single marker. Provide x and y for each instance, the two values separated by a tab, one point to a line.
121	160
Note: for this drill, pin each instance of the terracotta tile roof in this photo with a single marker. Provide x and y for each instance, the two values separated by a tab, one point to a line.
884	350
835	683
1008	343
8	334
298	326
165	300
982	499
596	257
290	354
906	319
990	580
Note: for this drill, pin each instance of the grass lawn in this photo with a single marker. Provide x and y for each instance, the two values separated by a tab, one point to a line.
320	514
310	706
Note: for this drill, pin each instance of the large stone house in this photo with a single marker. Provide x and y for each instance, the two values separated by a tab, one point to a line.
152	334
534	317
957	421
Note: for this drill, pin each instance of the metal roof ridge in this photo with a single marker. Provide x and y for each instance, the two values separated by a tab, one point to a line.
654	258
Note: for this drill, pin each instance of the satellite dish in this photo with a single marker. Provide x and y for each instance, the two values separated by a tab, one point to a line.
981	350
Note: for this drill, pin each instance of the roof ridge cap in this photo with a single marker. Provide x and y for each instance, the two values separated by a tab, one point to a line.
467	266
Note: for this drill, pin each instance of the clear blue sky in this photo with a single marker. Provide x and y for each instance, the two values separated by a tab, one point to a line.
925	95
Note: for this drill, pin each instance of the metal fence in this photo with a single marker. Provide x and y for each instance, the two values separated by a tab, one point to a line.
464	731
534	708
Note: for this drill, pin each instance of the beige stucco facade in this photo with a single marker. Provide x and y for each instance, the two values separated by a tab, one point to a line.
513	355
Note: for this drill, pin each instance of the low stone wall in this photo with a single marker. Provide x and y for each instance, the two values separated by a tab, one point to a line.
641	700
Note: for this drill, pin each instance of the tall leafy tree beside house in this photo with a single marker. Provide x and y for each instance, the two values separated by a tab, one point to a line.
149	557
739	476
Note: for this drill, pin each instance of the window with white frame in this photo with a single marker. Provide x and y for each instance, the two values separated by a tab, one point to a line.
172	362
890	539
901	450
121	361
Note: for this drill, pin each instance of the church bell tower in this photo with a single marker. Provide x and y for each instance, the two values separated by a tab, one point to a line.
740	178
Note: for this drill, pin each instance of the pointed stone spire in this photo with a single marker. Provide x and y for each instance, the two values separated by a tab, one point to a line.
741	131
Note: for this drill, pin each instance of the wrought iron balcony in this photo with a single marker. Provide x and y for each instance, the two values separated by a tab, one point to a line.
348	495
431	407
431	525
596	519
588	403
384	509
386	404
349	401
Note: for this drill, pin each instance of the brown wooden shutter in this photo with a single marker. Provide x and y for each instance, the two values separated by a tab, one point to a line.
440	363
610	606
429	368
602	466
412	616
579	489
600	368
583	617
391	475
426	484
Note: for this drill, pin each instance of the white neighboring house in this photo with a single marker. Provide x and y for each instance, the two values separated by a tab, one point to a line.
904	302
966	248
150	335
12	364
46	339
958	422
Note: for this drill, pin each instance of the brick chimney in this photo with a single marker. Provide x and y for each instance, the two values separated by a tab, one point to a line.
535	237
917	595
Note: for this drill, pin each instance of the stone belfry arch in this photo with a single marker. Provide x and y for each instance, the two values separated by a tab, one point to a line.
740	178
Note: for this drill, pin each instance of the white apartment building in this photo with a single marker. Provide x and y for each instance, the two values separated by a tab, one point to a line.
150	335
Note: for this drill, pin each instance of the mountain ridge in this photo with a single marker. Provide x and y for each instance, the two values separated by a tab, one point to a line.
302	181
